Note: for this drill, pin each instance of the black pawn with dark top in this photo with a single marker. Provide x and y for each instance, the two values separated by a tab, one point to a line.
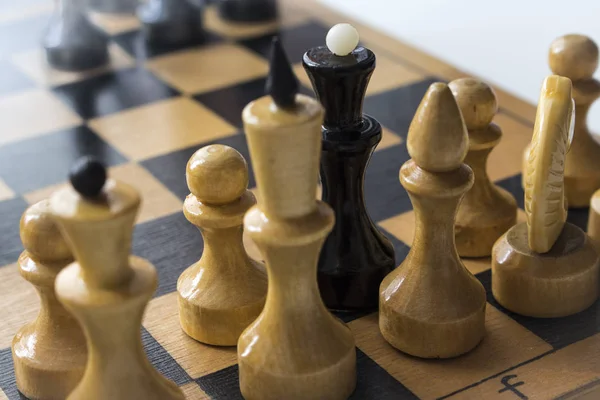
356	256
72	42
171	22
247	10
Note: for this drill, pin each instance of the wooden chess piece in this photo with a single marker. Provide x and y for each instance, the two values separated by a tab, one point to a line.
486	211
49	354
106	289
296	349
431	306
72	42
593	227
547	267
220	295
576	57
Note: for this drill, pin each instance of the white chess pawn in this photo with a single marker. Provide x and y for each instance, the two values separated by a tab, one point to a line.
106	289
49	354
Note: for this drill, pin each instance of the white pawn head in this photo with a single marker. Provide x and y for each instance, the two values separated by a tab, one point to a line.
342	39
217	174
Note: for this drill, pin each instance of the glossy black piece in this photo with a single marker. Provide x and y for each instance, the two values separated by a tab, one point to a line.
72	42
356	256
340	84
88	176
171	22
247	10
282	83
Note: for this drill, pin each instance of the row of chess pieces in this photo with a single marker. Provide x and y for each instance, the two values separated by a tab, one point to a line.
77	246
73	43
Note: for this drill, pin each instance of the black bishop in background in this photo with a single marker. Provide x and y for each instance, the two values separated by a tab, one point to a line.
282	84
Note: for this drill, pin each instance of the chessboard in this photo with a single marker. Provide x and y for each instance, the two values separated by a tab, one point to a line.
147	113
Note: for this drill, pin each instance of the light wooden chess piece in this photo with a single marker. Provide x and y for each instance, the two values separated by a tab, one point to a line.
593	227
576	57
220	295
50	353
107	289
431	306
296	349
487	210
546	267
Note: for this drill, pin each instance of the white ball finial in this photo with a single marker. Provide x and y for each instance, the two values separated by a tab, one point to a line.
342	39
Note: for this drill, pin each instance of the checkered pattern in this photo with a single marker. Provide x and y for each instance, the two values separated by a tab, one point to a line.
147	113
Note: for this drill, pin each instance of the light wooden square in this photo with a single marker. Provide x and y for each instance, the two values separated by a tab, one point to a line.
388	139
33	63
515	105
192	391
113	24
157	200
506	344
162	321
208	68
33	112
41	194
289	17
390	74
507	158
161	127
20	303
569	373
5	192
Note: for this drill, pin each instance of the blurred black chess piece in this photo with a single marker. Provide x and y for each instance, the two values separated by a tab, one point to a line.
113	6
247	10
356	256
72	42
171	22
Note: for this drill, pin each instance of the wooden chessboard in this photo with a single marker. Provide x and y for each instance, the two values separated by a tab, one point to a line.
145	116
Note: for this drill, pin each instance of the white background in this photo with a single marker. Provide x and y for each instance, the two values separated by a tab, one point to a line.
504	42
